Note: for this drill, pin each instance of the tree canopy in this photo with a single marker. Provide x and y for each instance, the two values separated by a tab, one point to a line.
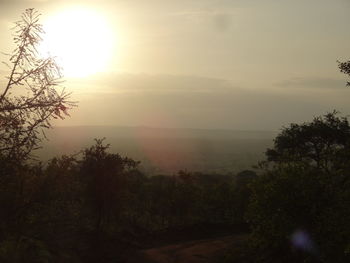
322	143
304	192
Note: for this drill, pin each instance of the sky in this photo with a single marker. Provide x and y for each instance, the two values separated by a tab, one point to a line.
216	64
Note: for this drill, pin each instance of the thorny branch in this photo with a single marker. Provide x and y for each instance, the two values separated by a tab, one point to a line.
32	96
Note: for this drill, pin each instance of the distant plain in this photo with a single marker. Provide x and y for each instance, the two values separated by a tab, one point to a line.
166	151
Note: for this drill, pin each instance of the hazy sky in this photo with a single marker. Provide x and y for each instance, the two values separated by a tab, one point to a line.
240	64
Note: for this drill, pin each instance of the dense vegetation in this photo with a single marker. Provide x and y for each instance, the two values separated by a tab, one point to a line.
302	201
70	209
97	206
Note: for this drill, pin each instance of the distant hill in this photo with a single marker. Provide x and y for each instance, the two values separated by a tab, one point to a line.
166	151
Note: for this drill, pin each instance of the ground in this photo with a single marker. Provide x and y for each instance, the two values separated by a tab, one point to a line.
196	251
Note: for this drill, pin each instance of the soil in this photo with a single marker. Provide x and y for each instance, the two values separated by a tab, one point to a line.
196	251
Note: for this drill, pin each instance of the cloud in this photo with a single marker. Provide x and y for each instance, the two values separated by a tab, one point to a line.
314	83
160	83
195	102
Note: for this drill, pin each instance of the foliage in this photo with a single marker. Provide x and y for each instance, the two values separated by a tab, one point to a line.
31	97
345	68
102	175
322	143
299	208
83	208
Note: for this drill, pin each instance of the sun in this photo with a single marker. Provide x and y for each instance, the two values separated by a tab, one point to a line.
81	40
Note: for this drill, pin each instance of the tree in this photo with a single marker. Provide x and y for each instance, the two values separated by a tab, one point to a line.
345	68
102	174
32	96
322	143
306	193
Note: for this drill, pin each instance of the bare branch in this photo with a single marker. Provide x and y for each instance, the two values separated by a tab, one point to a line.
39	99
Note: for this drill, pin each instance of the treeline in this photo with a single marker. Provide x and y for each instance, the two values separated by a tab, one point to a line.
75	208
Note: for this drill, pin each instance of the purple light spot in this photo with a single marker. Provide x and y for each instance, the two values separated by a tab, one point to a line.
301	239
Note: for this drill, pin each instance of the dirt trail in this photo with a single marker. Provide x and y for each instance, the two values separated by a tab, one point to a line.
198	251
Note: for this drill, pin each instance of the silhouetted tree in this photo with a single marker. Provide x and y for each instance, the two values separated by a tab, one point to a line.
307	190
322	143
29	101
32	97
102	173
345	68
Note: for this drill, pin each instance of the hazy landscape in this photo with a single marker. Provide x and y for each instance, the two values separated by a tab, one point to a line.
161	131
167	151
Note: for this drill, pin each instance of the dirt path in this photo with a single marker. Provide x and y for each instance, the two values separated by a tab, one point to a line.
198	251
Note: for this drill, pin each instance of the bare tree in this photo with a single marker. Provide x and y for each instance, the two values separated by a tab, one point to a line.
33	95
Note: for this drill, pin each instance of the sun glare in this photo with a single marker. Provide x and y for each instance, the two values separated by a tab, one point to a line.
81	40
